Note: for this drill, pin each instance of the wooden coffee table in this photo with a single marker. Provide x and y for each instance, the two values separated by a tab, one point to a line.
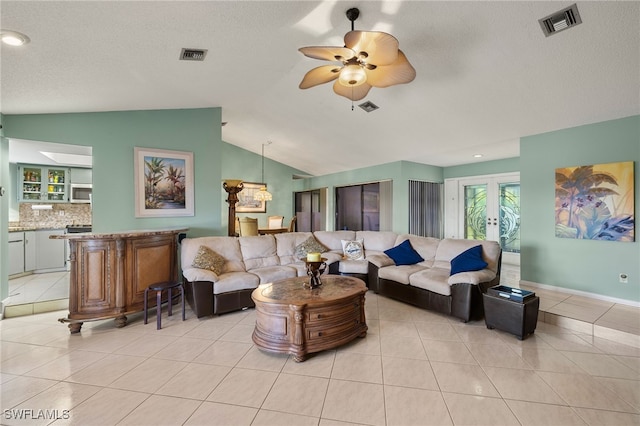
292	319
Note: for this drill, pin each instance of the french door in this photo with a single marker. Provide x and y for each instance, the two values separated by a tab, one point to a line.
486	208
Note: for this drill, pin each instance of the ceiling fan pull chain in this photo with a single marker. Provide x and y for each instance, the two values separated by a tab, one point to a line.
351	98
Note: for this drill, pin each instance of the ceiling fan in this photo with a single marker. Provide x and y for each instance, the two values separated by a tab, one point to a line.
368	59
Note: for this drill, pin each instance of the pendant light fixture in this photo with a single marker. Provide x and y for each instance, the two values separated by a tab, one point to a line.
263	194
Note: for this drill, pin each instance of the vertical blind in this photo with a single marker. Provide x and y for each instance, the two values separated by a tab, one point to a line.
426	209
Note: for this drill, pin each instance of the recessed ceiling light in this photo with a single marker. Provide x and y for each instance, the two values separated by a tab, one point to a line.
13	38
477	155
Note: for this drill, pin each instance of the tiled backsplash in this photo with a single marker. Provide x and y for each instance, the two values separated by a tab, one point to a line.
73	214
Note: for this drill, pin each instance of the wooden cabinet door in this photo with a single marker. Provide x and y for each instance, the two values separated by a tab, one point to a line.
94	279
149	260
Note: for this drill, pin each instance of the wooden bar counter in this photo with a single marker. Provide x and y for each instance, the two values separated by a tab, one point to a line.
110	271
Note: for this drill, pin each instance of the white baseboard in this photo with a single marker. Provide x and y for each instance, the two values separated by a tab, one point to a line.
581	293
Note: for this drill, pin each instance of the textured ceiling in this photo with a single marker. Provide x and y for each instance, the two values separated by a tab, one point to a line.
486	75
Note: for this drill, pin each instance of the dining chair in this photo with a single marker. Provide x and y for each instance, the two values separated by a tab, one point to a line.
274	222
248	226
292	224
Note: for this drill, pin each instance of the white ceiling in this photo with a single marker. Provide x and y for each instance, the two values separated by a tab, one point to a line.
486	74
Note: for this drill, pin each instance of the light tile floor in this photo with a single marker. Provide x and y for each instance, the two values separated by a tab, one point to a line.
37	293
414	367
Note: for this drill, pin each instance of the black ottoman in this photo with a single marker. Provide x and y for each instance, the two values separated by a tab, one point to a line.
512	310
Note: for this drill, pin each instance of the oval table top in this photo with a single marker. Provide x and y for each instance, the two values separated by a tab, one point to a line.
296	290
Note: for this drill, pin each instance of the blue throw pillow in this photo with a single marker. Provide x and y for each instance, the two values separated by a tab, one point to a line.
404	254
469	260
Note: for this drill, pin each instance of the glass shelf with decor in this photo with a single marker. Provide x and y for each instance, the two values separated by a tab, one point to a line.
41	183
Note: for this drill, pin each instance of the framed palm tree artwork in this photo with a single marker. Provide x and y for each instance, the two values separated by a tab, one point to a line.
163	183
596	202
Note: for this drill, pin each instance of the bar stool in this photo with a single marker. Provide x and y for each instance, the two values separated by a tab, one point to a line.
158	288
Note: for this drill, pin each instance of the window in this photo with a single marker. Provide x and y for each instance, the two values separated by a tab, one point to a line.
365	207
425	209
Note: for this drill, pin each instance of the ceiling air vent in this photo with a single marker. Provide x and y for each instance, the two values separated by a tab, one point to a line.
566	18
369	106
193	54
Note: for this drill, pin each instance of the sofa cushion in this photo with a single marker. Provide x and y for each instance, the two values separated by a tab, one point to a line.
274	273
234	281
377	241
404	254
208	259
425	246
259	251
332	257
399	274
468	260
380	260
353	249
310	245
472	277
227	247
432	279
286	243
451	247
333	239
348	266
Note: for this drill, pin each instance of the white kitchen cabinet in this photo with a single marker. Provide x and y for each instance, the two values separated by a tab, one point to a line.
29	251
16	253
50	254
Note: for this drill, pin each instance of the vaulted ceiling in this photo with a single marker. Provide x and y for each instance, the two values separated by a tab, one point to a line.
486	74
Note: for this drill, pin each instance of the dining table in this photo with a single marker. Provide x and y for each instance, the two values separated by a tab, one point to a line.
267	231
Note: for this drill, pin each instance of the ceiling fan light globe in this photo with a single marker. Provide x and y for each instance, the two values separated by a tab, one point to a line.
352	76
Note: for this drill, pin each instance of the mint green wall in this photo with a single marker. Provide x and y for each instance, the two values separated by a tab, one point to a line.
113	135
585	265
239	163
507	165
399	172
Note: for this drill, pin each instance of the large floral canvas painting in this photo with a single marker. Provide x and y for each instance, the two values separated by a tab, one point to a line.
596	202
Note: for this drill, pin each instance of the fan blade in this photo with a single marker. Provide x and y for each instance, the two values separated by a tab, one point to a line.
399	72
327	53
320	75
355	93
381	48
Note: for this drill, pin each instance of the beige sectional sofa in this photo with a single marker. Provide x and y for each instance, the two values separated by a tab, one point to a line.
250	261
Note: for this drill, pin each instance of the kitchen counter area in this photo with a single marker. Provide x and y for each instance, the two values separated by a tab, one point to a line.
32	250
33	228
110	272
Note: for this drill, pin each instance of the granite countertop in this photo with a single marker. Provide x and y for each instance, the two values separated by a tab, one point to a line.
119	234
34	228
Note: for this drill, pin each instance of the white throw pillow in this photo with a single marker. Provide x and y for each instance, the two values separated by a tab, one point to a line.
353	249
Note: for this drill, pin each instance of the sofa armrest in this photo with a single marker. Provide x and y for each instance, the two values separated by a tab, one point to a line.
472	277
332	257
197	274
380	260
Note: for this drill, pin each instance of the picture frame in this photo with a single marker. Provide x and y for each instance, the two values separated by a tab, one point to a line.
164	185
246	203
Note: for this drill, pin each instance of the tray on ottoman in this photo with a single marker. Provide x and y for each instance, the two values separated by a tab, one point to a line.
512	310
